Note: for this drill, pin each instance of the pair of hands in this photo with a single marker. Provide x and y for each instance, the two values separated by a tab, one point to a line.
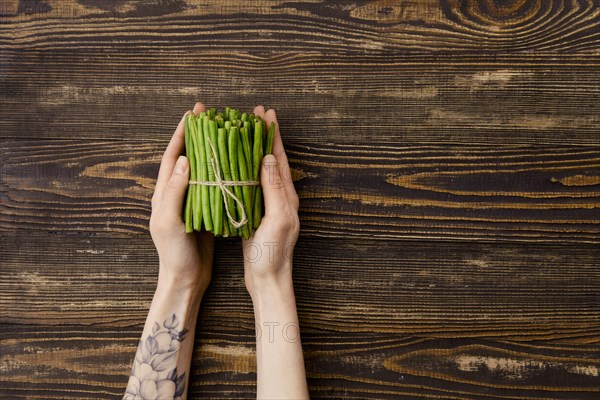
186	258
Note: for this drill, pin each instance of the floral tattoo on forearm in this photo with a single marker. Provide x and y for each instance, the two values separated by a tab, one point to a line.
154	373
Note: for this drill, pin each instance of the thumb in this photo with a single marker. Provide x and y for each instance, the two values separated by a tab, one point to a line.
272	185
175	191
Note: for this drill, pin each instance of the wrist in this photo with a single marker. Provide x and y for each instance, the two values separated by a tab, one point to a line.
181	288
274	304
280	270
276	286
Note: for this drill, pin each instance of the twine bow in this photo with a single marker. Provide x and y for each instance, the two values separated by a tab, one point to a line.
222	184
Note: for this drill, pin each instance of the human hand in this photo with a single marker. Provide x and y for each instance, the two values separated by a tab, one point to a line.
185	258
268	252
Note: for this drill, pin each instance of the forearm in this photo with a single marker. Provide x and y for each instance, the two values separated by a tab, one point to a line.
279	359
162	362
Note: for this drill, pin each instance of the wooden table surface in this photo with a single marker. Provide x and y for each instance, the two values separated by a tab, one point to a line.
446	154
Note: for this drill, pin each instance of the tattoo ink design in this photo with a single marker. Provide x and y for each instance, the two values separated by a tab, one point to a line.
154	373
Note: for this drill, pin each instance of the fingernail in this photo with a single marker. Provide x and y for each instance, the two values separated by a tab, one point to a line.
180	165
269	159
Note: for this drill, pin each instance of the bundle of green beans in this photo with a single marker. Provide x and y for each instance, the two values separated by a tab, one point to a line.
240	141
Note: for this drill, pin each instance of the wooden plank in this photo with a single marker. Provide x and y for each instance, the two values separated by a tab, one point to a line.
345	98
448	27
442	289
471	193
394	71
533	294
74	362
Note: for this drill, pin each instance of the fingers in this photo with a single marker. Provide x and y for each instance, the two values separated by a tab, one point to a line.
279	153
260	111
278	150
273	187
172	199
174	150
198	108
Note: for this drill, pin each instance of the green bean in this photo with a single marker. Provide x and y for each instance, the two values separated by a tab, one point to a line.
257	156
188	218
247	190
226	232
233	139
194	161
225	169
270	139
200	166
247	145
217	205
240	141
207	194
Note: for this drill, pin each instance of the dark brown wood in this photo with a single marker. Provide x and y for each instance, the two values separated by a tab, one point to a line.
456	318
446	154
544	193
347	98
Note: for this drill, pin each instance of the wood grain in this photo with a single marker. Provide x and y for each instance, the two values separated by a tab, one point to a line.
447	26
348	98
446	154
537	194
338	367
434	320
394	71
440	289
